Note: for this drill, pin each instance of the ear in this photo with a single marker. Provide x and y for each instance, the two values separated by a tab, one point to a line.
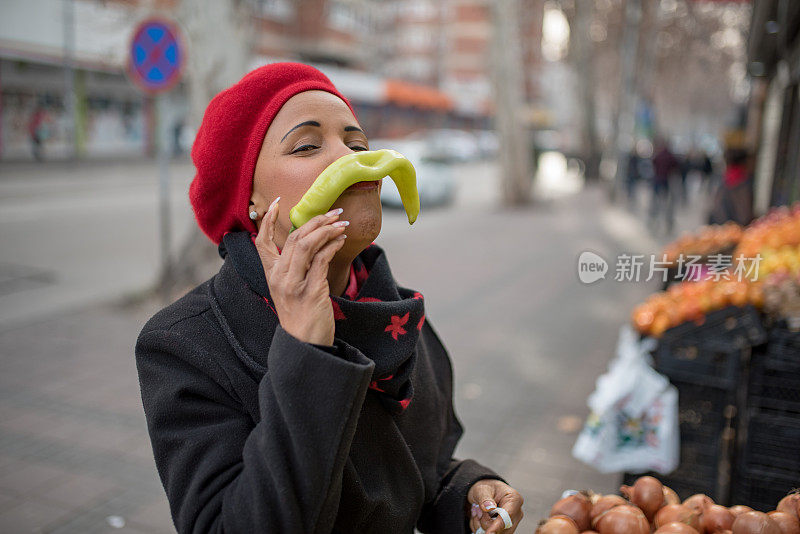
258	200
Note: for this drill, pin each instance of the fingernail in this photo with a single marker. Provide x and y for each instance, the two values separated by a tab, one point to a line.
489	505
273	203
475	510
341	223
334	212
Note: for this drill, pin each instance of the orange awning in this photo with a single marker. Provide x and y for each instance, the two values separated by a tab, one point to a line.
414	95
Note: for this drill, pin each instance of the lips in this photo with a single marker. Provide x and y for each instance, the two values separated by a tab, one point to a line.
371	184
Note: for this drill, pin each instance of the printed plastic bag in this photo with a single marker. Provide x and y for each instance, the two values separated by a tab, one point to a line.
633	424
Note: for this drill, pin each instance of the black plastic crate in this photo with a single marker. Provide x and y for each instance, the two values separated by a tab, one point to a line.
772	444
705	414
711	354
703	411
762	490
686	480
775	373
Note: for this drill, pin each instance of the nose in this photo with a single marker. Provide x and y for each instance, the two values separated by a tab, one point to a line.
339	149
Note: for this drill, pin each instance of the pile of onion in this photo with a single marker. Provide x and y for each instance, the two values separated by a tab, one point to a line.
559	524
677	513
647	493
755	523
650	507
577	507
790	504
623	519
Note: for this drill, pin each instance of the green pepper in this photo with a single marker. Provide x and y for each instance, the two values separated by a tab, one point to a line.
360	166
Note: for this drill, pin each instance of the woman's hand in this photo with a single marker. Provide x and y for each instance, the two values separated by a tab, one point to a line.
487	494
298	276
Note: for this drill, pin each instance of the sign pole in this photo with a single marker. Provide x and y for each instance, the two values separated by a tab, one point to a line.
155	63
163	198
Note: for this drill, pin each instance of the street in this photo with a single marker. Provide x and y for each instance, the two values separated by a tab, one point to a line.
526	337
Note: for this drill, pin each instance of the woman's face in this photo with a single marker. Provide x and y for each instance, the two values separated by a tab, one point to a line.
311	131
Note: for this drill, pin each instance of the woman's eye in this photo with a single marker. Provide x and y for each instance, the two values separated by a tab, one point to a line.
304	148
358	148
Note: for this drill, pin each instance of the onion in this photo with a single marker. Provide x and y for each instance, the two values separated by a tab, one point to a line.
559	524
670	497
739	509
677	513
755	523
647	493
716	518
676	528
603	504
575	506
698	502
788	523
624	519
790	504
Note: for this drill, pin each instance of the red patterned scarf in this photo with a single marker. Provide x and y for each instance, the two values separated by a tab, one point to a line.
375	315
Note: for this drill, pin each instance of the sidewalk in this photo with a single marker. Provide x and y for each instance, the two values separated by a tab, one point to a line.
526	338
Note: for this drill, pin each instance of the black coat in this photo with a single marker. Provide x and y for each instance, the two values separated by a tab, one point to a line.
254	430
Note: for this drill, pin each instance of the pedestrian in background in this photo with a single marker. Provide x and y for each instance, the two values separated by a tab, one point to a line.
38	131
301	390
633	177
734	197
665	165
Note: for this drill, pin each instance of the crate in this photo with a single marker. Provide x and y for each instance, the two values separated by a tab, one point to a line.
711	354
772	444
762	490
685	481
702	411
775	374
705	415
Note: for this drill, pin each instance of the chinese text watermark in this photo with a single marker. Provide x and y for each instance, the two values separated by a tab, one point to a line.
686	267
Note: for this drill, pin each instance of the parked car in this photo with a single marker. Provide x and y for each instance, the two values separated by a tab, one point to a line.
449	145
435	181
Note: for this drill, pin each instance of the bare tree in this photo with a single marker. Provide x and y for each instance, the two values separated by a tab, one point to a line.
219	35
508	89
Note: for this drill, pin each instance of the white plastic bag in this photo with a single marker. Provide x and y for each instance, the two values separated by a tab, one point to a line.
633	424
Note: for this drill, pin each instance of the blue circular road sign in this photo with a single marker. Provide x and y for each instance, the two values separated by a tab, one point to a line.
156	55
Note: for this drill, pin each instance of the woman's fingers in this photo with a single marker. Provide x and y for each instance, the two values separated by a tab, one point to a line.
322	259
305	246
265	239
474	524
476	517
496	525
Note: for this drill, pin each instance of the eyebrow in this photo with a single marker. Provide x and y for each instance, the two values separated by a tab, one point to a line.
315	123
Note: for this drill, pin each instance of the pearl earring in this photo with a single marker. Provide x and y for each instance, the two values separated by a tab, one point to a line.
254	215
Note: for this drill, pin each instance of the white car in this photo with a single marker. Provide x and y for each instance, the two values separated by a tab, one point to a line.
449	145
435	181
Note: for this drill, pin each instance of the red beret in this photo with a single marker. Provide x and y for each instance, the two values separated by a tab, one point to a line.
229	140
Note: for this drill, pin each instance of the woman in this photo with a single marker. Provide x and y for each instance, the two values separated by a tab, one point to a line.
300	390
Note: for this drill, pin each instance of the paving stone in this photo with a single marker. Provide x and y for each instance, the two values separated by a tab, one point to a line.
28	477
155	516
79	491
31	516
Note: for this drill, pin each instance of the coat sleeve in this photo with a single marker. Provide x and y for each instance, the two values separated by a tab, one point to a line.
222	472
448	511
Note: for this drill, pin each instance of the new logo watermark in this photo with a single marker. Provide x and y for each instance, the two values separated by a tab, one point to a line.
643	268
591	267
